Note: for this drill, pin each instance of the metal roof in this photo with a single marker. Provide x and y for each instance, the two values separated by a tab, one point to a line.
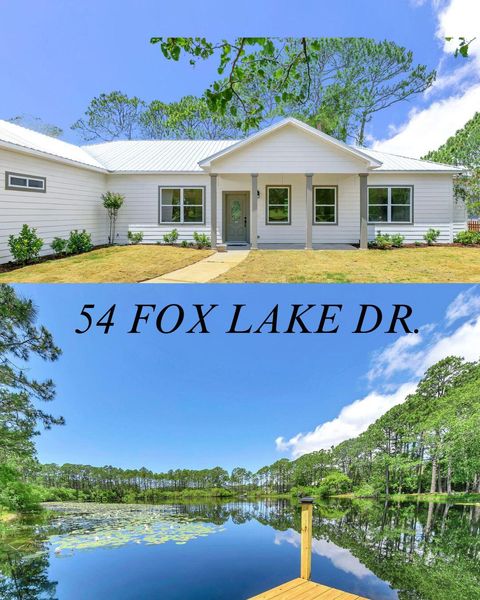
179	156
20	138
147	156
393	162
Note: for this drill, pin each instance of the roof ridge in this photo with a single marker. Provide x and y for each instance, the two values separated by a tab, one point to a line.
157	140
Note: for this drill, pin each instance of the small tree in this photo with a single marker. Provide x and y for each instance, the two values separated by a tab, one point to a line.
112	202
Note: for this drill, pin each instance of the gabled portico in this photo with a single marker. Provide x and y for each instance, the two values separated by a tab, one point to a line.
301	183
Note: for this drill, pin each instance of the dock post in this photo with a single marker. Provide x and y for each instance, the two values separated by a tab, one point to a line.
306	538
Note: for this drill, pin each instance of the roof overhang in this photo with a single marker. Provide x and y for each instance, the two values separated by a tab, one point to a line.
50	156
370	162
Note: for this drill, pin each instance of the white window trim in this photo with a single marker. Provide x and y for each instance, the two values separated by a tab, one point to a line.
24	188
182	188
325	187
268	205
389	205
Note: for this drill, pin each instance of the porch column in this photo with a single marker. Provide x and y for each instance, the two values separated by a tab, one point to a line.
254	212
213	209
363	211
309	211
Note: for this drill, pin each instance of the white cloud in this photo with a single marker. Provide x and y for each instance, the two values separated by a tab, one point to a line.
463	342
397	356
428	128
341	558
466	304
459	18
404	355
352	420
408	357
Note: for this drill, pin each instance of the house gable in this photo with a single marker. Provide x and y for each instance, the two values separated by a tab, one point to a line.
289	147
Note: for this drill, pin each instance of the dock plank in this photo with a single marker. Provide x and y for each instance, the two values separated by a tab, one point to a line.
303	589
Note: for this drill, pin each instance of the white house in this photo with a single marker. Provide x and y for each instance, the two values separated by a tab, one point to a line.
288	184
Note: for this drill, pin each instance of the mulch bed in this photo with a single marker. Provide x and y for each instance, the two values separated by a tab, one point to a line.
416	246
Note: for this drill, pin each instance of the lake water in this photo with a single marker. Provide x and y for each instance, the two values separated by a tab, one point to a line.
235	550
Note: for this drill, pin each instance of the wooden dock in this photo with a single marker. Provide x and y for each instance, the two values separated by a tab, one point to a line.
302	588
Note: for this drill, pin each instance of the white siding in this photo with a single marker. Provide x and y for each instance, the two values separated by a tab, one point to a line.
72	201
433	206
289	150
140	211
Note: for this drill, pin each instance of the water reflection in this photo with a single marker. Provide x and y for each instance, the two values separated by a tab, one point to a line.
380	550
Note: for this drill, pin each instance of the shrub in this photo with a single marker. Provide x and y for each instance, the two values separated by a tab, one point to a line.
14	493
304	490
385	241
25	247
417	243
397	240
382	241
468	238
184	243
335	483
59	245
366	490
431	236
135	237
201	240
78	242
171	238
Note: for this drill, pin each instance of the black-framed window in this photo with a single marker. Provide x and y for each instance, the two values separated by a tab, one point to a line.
390	204
22	182
325	205
182	205
278	204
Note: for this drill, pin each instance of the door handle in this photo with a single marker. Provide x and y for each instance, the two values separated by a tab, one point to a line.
245	221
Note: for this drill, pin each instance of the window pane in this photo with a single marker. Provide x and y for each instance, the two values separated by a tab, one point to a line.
36	183
401	195
193	196
278	214
170	214
18	181
400	213
377	214
171	197
325	214
278	196
377	195
192	214
325	196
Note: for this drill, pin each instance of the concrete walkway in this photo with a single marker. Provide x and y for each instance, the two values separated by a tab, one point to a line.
205	270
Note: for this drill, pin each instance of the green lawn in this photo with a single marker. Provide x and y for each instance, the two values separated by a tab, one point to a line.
118	264
406	265
130	264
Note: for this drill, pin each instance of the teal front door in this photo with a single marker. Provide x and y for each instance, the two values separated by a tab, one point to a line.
236	217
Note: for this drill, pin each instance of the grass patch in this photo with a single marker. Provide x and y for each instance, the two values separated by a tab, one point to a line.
117	264
7	517
406	265
456	498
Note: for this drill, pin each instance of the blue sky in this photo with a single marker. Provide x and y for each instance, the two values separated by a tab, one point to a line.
57	55
201	400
